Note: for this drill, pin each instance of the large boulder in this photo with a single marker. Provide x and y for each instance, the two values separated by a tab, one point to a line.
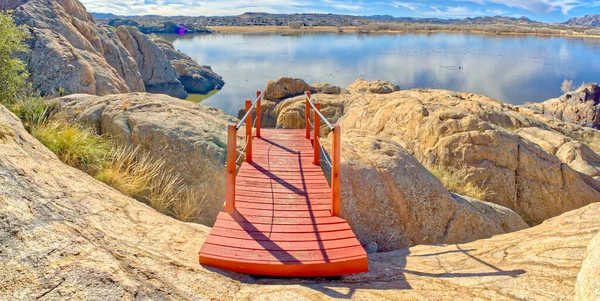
195	78
191	138
72	53
389	198
588	280
284	87
67	236
577	155
581	158
376	86
326	88
460	131
581	107
290	113
587	135
157	72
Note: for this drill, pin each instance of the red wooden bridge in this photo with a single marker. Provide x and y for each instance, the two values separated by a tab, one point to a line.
281	216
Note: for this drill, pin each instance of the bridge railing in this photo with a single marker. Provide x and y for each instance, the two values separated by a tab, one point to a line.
232	158
335	148
255	105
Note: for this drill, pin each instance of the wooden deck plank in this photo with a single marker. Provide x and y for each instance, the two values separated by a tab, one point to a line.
288	229
258	255
282	237
287	246
284	213
282	207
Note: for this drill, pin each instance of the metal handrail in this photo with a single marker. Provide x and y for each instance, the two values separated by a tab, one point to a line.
239	125
318	112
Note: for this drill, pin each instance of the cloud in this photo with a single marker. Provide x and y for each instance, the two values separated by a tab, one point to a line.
409	5
536	6
344	5
196	7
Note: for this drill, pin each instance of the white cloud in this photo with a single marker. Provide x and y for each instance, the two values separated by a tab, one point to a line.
409	5
196	7
536	6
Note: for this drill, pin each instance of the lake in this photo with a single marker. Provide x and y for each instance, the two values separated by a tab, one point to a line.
512	69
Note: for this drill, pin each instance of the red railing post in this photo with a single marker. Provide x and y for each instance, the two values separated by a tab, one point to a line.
259	96
231	169
335	171
307	115
317	144
249	132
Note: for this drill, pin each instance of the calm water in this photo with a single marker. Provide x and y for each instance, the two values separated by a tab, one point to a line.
511	69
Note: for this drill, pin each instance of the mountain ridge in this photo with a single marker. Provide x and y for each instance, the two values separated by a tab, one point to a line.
592	20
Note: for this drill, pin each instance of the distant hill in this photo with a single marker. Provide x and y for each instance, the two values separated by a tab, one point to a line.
263	19
588	21
497	20
409	19
101	16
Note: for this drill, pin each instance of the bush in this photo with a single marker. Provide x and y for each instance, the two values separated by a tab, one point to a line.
592	32
567	86
32	109
12	70
74	145
295	24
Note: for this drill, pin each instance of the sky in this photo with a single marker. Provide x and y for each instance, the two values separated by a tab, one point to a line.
551	11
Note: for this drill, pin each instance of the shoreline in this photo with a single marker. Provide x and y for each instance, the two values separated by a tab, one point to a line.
356	29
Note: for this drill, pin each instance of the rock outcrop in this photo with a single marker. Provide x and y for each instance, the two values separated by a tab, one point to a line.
510	151
284	87
191	138
577	155
588	280
67	236
326	88
157	72
581	107
70	52
376	86
465	131
389	198
195	78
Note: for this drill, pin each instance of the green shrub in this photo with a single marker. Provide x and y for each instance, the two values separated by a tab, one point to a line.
12	70
74	145
32	109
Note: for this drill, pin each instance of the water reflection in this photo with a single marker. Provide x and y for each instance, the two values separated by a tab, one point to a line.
514	69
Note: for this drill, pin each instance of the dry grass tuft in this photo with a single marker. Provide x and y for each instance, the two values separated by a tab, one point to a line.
75	145
192	206
131	171
457	182
141	176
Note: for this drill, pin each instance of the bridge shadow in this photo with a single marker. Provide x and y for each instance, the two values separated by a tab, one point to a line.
387	271
293	188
